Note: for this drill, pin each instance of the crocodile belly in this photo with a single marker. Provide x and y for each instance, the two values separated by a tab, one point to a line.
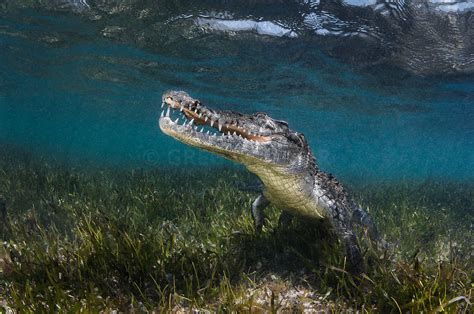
289	191
296	201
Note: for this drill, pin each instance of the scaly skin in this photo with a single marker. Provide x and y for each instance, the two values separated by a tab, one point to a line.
279	156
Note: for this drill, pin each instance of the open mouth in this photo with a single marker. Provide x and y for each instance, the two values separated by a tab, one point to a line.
192	116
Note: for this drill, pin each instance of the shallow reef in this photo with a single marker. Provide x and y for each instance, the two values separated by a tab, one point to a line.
85	239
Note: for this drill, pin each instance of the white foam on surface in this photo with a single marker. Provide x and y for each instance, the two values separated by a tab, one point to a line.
360	3
453	6
260	27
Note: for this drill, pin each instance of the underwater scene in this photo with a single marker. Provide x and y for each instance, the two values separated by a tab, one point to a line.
236	156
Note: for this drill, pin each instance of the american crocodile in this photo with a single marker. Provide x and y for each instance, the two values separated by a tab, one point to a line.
279	156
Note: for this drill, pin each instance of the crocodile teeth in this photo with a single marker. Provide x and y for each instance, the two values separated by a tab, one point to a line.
212	123
176	121
220	127
206	118
162	114
192	121
168	112
200	114
162	104
207	132
181	109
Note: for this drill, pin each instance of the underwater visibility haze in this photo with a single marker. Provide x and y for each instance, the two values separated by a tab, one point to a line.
382	90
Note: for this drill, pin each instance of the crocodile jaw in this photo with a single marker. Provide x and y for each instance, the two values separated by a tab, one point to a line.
228	146
219	132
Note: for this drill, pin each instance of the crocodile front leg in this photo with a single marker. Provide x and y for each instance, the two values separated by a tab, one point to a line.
285	219
258	206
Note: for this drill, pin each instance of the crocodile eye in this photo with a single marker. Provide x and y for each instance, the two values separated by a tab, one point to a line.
298	138
260	115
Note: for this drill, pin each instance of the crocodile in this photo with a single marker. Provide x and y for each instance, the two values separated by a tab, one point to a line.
279	156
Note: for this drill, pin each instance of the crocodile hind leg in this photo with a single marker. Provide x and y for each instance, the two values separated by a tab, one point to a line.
354	256
258	206
363	219
343	228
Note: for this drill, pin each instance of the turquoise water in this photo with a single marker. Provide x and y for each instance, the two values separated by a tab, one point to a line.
72	95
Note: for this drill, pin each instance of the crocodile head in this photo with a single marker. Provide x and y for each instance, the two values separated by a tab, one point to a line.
255	140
